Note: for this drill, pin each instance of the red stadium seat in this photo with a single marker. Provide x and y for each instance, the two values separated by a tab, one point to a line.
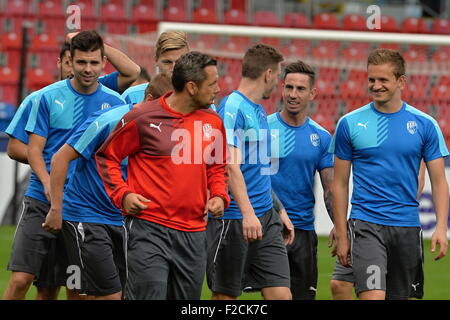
19	8
265	19
143	13
412	55
357	75
11	41
415	25
235	17
12	58
440	94
441	26
38	78
292	50
175	14
324	52
296	20
325	21
236	44
329	74
392	46
441	57
354	22
8	81
274	42
414	91
227	84
351	89
326	89
240	5
87	8
51	8
354	54
44	42
389	24
205	15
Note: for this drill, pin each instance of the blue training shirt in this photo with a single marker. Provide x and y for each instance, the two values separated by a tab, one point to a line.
16	128
56	113
85	197
297	153
247	129
386	150
135	94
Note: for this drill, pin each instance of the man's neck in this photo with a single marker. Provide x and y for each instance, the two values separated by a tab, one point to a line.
82	89
293	119
389	107
252	89
180	103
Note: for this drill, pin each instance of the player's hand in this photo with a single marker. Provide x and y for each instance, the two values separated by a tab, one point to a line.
288	228
439	237
133	203
215	206
343	251
331	240
251	227
70	35
53	221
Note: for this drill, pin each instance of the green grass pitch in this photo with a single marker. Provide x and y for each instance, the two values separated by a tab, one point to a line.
437	273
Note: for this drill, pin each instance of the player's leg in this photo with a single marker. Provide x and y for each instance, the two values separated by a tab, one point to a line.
188	264
47	293
302	254
226	256
148	266
30	247
90	247
342	282
405	278
369	259
267	267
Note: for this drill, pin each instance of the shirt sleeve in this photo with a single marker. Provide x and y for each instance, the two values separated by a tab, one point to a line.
111	81
89	137
435	146
234	123
216	171
16	128
326	158
123	141
341	144
39	120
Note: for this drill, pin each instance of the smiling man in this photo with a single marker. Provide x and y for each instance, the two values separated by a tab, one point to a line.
57	110
384	143
300	149
166	213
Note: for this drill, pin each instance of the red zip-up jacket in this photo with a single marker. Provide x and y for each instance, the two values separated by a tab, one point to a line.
173	160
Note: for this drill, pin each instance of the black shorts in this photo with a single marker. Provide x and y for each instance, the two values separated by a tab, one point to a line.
36	251
302	254
388	258
164	263
98	254
235	265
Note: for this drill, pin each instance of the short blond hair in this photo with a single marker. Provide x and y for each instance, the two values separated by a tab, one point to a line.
171	40
383	56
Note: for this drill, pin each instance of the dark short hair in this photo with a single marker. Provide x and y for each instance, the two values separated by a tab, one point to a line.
383	56
87	41
65	47
301	67
258	59
190	67
160	84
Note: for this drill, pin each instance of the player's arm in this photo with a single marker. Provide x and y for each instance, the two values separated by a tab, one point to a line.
123	142
37	163
421	179
288	227
216	173
17	150
439	190
340	190
58	175
326	179
127	68
252	228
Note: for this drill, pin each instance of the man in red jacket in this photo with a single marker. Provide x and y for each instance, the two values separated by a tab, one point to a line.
176	149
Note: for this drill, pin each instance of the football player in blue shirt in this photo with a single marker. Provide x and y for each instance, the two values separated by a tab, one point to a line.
299	150
245	246
86	207
383	143
57	111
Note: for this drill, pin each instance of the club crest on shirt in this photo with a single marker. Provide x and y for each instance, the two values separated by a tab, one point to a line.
105	106
207	130
315	139
411	126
